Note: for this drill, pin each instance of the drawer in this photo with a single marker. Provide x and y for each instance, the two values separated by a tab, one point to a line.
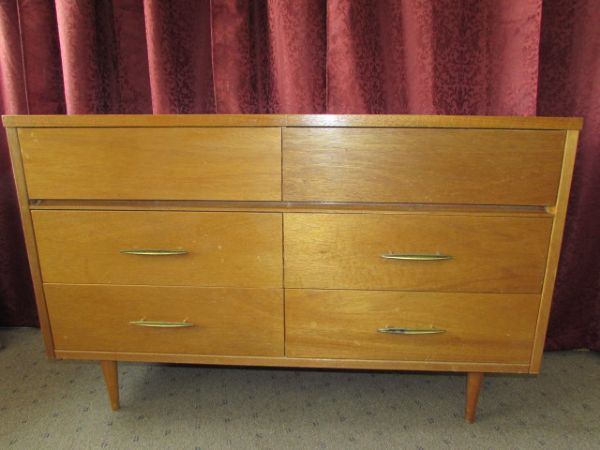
472	327
207	321
152	163
516	167
223	249
344	251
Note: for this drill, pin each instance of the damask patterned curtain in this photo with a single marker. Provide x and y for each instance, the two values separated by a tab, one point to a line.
513	57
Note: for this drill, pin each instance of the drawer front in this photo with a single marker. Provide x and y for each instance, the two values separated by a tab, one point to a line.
152	163
520	167
344	251
223	321
223	249
472	327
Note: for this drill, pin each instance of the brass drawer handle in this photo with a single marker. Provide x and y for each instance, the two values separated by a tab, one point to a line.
396	330
160	324
416	256
152	252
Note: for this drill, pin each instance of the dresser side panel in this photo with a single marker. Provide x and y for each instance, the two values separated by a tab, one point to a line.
556	239
30	241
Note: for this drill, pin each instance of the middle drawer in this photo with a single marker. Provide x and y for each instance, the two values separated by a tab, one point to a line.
416	252
160	248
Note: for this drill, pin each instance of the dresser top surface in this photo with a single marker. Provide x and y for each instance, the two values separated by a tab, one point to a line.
293	120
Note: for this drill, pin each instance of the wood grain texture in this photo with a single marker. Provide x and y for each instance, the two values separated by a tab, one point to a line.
474	382
492	191
285	361
437	121
224	249
555	248
422	166
152	163
30	240
144	120
343	251
293	120
489	328
111	379
226	321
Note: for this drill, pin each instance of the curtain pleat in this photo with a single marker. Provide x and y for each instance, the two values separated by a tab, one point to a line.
17	306
297	43
179	56
13	92
500	57
42	69
88	54
239	55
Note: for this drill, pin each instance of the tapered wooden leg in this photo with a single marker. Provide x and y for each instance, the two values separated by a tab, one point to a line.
111	378
474	380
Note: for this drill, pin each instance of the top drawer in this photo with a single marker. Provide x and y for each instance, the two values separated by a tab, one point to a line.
152	163
504	167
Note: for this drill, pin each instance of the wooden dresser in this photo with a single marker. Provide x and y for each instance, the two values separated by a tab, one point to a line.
358	242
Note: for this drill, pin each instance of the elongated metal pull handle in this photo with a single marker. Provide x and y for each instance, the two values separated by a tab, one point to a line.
416	256
160	324
396	330
153	252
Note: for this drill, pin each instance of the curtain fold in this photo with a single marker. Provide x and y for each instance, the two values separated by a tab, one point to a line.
17	306
500	57
179	56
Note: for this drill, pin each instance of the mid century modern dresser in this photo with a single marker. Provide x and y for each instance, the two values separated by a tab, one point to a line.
358	242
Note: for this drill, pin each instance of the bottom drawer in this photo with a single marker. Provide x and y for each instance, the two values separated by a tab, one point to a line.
495	328
210	321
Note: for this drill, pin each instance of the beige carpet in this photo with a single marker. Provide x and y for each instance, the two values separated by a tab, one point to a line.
63	405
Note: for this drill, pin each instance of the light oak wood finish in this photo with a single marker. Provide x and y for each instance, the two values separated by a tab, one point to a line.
294	120
224	248
438	121
323	192
111	379
286	361
489	328
152	163
422	165
474	382
30	240
146	120
489	254
226	321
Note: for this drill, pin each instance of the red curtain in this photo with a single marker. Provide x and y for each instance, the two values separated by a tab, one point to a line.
513	57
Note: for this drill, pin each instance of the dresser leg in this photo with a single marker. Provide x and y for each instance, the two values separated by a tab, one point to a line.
474	381
111	378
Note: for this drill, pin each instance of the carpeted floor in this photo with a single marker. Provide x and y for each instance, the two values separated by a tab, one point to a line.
63	405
